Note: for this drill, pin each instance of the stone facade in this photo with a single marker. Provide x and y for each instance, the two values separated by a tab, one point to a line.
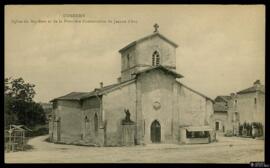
246	106
138	57
150	93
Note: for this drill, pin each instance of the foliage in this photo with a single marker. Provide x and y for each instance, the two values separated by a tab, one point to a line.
19	107
38	131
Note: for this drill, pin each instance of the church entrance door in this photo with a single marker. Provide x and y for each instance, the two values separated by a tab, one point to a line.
155	132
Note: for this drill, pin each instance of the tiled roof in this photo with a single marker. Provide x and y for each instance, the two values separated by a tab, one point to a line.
147	37
162	68
73	96
196	92
220	108
83	95
252	89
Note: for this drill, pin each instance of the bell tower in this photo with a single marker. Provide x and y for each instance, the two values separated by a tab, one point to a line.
147	52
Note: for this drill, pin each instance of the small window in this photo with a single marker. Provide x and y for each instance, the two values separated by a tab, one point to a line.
96	124
128	62
255	101
86	119
155	59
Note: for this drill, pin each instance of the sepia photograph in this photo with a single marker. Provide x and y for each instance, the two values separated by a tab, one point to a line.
134	84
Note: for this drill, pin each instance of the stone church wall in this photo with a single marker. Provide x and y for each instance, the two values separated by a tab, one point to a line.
90	108
192	107
145	50
114	104
70	114
157	98
128	64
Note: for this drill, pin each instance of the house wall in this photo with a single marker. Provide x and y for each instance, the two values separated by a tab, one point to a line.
222	118
209	113
113	105
260	108
246	107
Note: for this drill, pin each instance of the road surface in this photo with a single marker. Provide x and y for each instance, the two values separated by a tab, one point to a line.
226	150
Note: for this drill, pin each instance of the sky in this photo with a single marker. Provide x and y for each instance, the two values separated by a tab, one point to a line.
221	47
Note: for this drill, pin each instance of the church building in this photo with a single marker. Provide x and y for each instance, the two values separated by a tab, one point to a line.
148	104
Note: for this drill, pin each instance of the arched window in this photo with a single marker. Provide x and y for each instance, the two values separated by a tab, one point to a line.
96	124
155	59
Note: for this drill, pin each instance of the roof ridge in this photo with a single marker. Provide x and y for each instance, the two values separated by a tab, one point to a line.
195	91
148	36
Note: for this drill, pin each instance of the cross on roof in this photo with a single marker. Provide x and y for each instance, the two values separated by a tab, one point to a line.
156	26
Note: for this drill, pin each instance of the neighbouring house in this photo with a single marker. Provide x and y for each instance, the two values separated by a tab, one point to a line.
250	107
241	112
148	104
221	106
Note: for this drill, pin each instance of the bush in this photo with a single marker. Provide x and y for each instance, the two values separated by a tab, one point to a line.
38	132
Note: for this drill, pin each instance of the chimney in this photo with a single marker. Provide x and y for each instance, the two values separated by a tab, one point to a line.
257	82
101	84
119	80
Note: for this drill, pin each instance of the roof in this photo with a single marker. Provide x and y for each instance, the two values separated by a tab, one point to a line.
72	96
224	98
147	37
83	95
260	88
198	128
220	108
161	68
196	91
19	127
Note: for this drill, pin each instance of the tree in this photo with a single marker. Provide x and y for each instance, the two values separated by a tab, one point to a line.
19	105
19	90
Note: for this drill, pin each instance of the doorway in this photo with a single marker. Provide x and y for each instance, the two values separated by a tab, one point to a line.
155	132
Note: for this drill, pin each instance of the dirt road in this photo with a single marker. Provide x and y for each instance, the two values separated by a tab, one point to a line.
226	150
